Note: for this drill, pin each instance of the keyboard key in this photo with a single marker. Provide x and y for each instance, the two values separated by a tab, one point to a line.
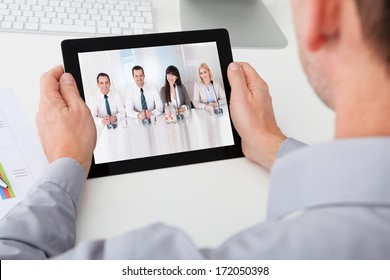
16	13
31	26
56	21
68	28
9	18
39	14
68	21
33	19
6	24
116	31
21	19
144	8
79	22
141	25
18	25
103	30
90	23
4	12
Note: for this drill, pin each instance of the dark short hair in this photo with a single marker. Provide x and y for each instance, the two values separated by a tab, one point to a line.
137	67
375	21
102	75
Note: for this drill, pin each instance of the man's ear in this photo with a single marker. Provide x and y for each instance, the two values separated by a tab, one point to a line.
323	22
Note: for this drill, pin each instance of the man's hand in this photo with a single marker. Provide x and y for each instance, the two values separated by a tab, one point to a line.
144	115
141	115
148	114
106	120
113	119
65	124
253	115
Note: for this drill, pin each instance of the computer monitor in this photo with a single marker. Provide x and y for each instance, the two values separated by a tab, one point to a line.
249	22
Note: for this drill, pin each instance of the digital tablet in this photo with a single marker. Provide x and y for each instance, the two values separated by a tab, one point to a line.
158	100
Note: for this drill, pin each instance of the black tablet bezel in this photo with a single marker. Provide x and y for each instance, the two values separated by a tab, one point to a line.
71	49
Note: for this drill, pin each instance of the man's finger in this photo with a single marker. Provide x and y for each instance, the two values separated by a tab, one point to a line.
49	86
253	79
49	82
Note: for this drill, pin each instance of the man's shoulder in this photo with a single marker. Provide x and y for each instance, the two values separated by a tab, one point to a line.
97	95
114	93
150	86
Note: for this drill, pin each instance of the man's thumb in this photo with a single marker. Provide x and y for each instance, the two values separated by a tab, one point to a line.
68	89
237	79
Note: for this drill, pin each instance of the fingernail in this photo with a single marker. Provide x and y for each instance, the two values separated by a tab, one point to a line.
233	66
67	78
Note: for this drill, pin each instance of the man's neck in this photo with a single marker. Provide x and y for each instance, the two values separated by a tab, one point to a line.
363	103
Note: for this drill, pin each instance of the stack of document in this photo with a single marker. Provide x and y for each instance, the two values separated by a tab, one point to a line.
21	156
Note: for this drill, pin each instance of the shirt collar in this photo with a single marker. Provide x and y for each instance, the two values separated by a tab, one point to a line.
101	95
347	172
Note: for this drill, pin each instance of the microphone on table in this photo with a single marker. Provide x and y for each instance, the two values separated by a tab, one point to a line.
219	109
111	125
179	116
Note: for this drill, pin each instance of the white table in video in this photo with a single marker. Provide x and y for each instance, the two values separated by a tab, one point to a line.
132	139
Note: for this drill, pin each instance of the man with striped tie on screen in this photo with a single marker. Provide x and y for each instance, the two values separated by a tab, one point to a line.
144	101
107	106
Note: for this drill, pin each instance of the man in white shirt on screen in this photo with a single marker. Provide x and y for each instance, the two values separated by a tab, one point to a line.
107	106
144	101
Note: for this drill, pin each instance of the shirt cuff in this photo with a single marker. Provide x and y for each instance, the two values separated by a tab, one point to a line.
289	145
68	174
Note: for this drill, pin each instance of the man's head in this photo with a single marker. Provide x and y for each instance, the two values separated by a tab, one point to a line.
103	82
138	75
337	37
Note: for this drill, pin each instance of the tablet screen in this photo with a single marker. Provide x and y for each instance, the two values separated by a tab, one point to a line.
157	100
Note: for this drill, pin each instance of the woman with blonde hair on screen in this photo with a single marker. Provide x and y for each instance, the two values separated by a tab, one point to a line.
207	92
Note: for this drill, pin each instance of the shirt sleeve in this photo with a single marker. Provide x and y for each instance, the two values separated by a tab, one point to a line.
158	103
93	107
289	145
221	94
198	104
43	224
130	107
186	100
120	107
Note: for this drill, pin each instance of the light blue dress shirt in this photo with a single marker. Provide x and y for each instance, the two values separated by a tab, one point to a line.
329	201
210	94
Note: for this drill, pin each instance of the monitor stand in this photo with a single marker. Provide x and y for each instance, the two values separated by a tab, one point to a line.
249	23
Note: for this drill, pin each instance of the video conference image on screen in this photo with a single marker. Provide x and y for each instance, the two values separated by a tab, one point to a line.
156	100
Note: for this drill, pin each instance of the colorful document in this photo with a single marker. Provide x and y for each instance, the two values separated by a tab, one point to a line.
21	156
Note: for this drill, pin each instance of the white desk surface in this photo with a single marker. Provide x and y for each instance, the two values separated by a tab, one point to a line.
216	199
132	139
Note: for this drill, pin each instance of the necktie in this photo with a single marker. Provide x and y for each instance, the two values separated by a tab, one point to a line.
109	126
107	105
143	101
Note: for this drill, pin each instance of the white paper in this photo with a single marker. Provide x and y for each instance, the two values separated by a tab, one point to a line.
21	156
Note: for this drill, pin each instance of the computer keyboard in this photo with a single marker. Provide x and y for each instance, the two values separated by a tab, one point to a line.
77	17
